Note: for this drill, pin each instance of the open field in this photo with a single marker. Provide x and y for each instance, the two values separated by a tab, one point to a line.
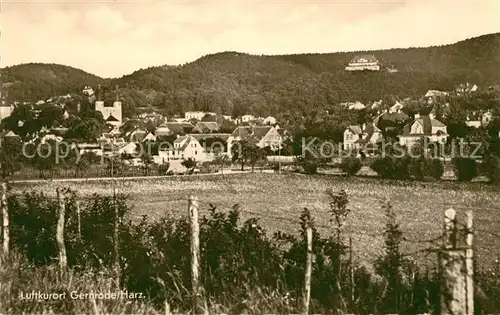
279	199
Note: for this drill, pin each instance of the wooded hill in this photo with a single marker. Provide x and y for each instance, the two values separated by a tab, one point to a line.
237	83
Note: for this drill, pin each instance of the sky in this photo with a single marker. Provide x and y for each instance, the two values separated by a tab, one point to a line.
114	38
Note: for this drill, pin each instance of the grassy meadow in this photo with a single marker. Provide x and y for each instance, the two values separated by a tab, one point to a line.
278	200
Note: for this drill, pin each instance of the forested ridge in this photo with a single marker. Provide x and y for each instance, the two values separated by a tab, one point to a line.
237	83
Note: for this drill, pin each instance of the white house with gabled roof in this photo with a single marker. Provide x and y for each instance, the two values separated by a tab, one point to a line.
184	147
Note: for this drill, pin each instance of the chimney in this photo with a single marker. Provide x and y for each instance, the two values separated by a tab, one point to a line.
417	116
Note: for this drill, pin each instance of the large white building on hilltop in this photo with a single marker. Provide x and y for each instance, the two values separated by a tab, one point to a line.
363	62
112	114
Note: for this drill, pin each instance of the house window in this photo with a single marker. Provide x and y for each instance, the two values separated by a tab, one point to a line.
195	152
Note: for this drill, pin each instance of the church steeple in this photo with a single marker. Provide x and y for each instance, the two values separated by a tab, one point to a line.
98	93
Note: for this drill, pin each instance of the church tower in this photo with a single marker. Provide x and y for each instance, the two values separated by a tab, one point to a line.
111	114
117	106
99	103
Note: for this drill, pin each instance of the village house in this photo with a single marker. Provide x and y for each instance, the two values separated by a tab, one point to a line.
198	115
270	120
355	136
353	106
466	88
213	143
352	135
432	95
173	128
423	127
262	136
206	127
363	62
184	147
478	119
247	118
87	90
140	135
396	108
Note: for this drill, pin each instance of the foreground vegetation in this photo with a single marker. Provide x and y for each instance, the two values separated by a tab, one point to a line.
243	268
277	198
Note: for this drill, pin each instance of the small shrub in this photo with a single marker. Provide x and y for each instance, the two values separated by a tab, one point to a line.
434	168
424	168
391	167
351	165
491	169
465	168
163	169
310	167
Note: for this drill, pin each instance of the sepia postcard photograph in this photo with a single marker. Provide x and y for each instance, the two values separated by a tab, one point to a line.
250	157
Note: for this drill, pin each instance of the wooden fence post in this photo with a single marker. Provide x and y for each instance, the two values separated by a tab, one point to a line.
456	276
5	215
469	263
351	269
308	271
116	240
79	224
195	251
63	261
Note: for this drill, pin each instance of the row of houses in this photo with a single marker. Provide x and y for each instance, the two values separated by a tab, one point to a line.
356	136
197	146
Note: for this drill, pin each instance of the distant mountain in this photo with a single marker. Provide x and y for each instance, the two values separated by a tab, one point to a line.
233	82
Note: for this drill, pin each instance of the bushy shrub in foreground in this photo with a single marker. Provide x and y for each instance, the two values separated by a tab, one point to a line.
392	167
351	165
424	168
465	168
491	169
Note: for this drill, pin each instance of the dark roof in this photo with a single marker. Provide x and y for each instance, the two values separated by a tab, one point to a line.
177	127
364	58
260	131
241	131
426	122
137	135
205	136
206	126
356	129
112	118
394	117
254	132
8	133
